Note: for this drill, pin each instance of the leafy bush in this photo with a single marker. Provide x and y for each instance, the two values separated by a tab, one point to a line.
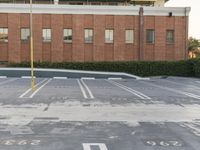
196	68
142	68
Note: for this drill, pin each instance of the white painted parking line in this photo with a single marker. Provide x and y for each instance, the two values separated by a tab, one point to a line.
191	95
183	84
194	127
134	92
60	78
27	77
87	88
142	78
114	78
3	77
87	78
174	90
7	81
38	89
29	90
87	146
82	89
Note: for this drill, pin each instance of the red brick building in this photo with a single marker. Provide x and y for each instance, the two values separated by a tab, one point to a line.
93	33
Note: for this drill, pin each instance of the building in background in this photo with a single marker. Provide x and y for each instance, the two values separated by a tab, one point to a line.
93	32
93	2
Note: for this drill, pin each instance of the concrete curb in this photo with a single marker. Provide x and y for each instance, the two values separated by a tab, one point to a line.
42	72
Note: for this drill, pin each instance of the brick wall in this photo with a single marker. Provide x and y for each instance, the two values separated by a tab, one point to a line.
57	51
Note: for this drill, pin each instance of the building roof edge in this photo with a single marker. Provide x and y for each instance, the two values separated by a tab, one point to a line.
98	10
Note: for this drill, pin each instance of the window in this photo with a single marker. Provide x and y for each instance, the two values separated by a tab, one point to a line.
108	36
129	35
88	35
3	34
67	33
150	36
46	34
25	34
170	36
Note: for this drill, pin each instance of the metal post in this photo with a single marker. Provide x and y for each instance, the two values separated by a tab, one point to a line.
31	48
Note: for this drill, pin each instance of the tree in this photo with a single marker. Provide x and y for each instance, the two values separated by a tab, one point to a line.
193	46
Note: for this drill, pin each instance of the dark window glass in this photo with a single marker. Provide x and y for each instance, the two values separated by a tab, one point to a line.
150	36
67	33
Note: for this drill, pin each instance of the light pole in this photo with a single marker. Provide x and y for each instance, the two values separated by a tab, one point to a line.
31	48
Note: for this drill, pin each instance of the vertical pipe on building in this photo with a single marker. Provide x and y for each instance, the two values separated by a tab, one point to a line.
186	33
141	33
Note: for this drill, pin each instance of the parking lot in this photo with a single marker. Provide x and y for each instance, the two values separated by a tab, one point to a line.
100	114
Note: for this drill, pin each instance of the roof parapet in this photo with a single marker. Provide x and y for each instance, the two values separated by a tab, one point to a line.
88	9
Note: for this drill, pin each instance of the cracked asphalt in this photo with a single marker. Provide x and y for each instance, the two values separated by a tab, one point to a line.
100	114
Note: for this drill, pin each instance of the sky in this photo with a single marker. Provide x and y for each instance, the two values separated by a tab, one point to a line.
194	19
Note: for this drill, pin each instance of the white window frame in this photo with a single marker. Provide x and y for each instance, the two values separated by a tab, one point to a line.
4	30
88	36
171	39
129	36
109	36
67	32
26	35
46	34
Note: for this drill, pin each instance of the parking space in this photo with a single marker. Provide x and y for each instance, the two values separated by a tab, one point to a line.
12	88
59	90
116	92
107	91
99	114
164	91
191	83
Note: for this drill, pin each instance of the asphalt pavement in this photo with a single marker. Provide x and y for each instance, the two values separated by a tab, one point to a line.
100	114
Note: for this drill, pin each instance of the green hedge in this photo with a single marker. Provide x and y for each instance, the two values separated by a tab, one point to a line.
185	68
196	68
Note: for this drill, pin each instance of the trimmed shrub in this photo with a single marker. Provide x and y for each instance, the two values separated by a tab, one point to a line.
196	68
185	68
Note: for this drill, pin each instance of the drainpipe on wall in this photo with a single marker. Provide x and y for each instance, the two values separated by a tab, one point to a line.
141	33
186	33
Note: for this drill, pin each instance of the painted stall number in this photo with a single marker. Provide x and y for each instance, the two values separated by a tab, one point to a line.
87	146
19	142
163	143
